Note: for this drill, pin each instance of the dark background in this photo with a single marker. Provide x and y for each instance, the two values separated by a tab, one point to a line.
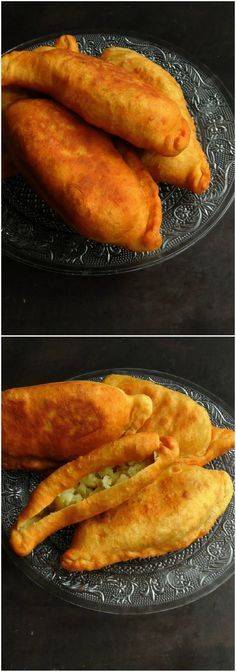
191	294
41	632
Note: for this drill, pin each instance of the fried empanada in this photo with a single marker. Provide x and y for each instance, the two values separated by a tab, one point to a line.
222	440
180	506
190	169
12	93
174	414
45	425
61	42
119	103
91	484
100	192
67	42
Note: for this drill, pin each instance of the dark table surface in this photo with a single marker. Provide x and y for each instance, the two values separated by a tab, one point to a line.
41	632
190	294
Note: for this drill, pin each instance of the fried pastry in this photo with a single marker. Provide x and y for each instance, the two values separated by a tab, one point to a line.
174	413
180	506
190	169
91	484
222	440
117	102
67	42
62	42
100	192
45	425
12	93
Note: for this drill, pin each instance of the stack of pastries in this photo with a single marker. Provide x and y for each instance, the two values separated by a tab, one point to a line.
94	136
126	463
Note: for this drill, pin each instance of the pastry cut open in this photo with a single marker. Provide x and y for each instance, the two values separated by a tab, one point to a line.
84	488
181	505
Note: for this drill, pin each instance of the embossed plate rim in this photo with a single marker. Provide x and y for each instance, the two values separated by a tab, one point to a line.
114	610
61	592
13	251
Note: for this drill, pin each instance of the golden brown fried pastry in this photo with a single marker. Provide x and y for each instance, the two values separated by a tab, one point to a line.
181	505
182	417
12	93
45	425
67	42
62	42
91	484
101	93
222	440
100	192
174	414
190	169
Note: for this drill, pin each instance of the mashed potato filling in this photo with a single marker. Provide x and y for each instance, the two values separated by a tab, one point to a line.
103	479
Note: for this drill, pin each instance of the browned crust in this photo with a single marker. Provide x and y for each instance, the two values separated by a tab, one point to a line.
135	447
56	422
27	463
222	440
11	94
174	413
67	42
84	84
190	169
180	506
79	172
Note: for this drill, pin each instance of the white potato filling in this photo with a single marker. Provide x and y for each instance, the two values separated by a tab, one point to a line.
102	480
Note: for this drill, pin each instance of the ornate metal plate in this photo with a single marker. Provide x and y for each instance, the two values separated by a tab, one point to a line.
34	234
137	586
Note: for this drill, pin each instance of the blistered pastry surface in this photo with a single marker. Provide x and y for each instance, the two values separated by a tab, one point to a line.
139	585
33	233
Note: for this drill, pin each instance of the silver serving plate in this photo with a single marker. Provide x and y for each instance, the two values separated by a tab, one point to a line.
137	586
34	234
